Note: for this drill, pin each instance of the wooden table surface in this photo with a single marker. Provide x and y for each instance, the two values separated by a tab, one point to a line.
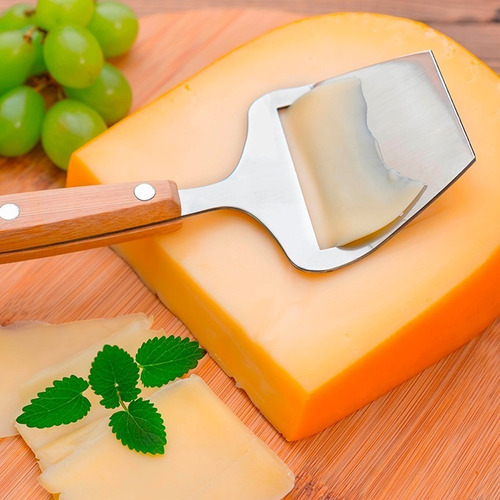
466	412
473	23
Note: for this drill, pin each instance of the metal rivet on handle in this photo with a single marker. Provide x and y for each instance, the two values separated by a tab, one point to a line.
144	192
9	211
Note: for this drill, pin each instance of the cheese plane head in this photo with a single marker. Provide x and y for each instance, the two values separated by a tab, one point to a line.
315	176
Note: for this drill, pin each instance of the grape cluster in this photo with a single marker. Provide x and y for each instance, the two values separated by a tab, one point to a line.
56	51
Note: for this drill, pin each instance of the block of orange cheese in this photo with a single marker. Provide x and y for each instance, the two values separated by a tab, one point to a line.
307	348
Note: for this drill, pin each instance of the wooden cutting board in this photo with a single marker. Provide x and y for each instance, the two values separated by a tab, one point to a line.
434	437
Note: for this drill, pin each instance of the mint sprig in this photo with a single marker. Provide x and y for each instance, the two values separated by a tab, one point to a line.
61	403
163	358
114	375
140	427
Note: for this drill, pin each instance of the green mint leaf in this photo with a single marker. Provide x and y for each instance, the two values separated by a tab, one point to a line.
164	359
140	427
62	403
114	375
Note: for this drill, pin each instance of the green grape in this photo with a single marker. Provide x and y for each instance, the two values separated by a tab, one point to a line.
21	115
67	126
115	26
110	95
16	59
72	55
39	63
50	13
16	17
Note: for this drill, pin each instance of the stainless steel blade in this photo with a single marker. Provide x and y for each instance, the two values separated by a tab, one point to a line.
410	113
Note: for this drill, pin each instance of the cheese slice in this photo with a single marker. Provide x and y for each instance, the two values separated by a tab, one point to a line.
210	455
28	347
309	349
129	338
349	191
54	451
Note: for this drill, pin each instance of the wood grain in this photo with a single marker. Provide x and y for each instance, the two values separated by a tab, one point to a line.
55	221
452	11
475	24
434	437
471	23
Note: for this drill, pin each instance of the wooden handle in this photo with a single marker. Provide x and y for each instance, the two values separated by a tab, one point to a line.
44	223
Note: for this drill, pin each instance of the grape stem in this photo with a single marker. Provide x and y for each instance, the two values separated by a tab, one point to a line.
28	36
40	86
43	81
60	93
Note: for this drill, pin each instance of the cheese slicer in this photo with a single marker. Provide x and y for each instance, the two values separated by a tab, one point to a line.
409	112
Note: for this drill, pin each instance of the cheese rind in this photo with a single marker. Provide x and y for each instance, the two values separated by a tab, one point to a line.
210	455
309	349
28	347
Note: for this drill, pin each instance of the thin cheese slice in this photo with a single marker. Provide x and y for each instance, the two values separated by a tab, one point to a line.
210	455
130	338
28	347
349	191
62	447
